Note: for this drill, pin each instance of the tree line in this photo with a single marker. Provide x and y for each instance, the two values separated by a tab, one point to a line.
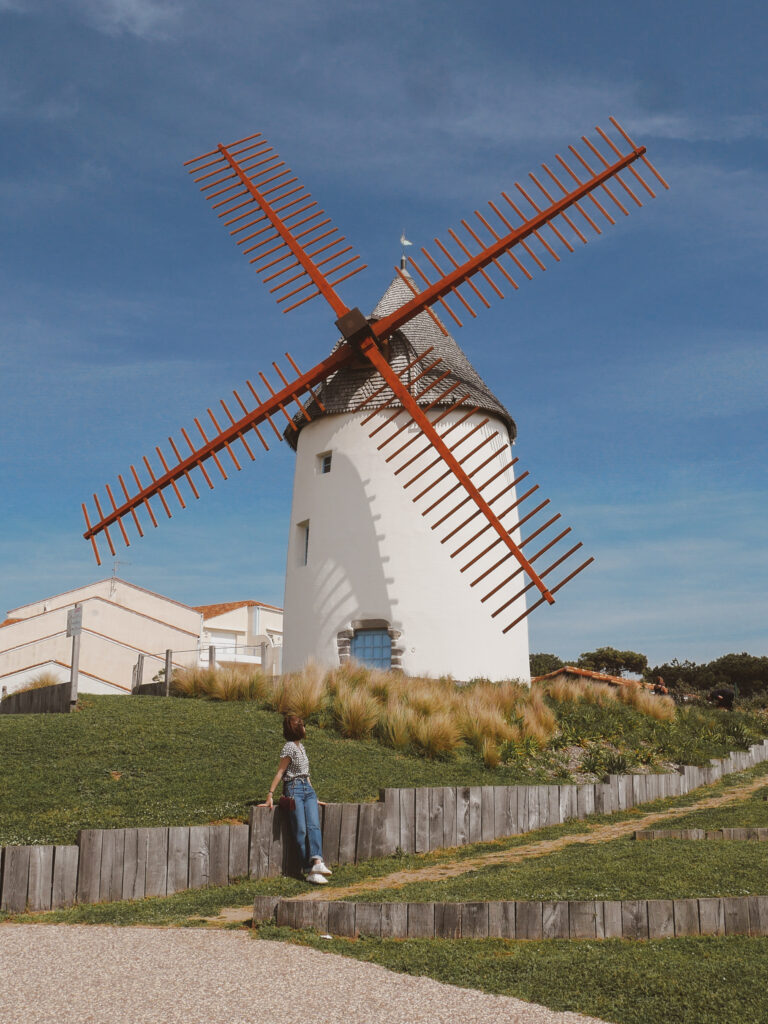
746	673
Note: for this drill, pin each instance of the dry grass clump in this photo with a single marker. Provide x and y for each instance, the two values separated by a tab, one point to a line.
435	735
396	724
40	681
659	707
573	690
357	712
192	681
301	693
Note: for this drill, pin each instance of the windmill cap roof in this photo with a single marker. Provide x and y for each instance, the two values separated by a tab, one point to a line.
345	390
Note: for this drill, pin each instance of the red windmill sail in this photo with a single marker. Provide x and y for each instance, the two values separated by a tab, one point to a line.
300	255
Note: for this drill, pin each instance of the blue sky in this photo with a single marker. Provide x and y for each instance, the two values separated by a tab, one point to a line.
636	370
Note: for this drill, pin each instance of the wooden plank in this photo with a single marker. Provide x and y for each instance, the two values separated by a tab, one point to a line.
407	821
553	800
341	919
634	919
348	832
135	863
285	913
529	919
474	921
277	847
487	814
292	863
500	812
238	852
447	920
475	814
64	889
15	879
112	853
449	817
365	831
611	919
260	832
554	919
462	815
394	920
264	908
421	920
331	833
219	855
544	819
686	917
639	789
380	844
389	824
40	877
501	919
89	865
156	878
711	917
422	821
758	915
583	919
736	914
522	808
661	919
368	919
177	877
436	817
303	914
320	915
533	808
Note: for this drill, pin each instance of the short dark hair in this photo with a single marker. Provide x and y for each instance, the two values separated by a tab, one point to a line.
293	728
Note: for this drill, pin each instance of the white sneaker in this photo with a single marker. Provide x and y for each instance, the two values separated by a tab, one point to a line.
316	879
319	867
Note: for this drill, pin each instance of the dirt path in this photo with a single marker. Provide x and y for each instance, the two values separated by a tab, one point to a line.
597	834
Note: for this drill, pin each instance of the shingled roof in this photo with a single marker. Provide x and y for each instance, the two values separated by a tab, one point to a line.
344	390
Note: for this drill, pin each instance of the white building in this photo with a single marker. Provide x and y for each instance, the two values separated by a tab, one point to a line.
366	576
122	621
240	630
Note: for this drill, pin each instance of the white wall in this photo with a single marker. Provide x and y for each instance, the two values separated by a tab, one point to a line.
373	556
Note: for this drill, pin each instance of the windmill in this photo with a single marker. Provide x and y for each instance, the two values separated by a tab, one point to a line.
410	545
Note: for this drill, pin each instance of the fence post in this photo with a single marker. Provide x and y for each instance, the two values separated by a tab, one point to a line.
211	657
168	671
139	672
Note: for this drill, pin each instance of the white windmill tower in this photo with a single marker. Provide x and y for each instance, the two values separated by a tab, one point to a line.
416	536
365	576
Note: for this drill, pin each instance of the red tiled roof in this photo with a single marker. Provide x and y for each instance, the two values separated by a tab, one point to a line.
9	622
210	611
584	673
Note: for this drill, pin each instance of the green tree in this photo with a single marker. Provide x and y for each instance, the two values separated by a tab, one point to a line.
613	662
541	664
745	672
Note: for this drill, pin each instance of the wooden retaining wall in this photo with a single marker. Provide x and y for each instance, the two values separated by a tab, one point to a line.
44	700
513	919
421	820
120	864
754	834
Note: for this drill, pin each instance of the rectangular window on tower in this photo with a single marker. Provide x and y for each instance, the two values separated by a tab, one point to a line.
302	542
324	462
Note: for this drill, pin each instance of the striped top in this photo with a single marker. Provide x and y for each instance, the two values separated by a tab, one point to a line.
299	766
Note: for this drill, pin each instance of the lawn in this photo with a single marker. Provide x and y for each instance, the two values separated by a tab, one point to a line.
132	762
685	981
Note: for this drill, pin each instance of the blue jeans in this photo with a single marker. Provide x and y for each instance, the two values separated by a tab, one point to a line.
305	819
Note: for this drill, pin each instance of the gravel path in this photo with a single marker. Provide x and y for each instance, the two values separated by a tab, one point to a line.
75	974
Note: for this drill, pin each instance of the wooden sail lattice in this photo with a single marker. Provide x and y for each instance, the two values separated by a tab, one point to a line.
300	255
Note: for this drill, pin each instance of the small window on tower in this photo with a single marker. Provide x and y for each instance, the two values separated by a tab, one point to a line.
302	546
325	461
